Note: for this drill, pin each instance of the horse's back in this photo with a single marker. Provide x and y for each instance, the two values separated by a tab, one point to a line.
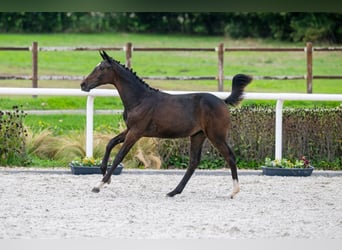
194	104
206	109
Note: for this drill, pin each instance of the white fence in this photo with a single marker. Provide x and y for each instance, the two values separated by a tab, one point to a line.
279	97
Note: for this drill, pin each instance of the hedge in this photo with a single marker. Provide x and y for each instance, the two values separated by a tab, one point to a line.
315	133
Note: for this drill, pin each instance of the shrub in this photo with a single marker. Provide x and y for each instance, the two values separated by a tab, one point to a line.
12	137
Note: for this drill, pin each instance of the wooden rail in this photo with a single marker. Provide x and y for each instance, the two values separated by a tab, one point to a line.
129	49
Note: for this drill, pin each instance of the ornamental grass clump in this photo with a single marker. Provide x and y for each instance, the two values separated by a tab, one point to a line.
12	138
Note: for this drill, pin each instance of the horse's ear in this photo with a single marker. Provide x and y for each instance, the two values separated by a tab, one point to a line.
102	55
105	56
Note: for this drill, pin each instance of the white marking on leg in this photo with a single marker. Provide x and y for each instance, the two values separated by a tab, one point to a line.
100	185
236	188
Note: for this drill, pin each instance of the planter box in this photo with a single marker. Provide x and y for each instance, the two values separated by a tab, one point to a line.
287	171
92	170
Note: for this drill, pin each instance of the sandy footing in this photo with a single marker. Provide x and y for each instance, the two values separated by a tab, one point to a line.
53	204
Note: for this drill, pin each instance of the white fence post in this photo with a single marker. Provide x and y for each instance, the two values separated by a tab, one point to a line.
279	129
89	126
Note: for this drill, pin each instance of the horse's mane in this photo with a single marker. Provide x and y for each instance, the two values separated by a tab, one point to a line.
128	70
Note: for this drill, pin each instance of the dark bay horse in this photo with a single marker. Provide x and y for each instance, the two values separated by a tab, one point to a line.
149	112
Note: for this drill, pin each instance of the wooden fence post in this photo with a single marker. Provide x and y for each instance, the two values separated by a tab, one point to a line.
128	55
309	67
34	65
220	77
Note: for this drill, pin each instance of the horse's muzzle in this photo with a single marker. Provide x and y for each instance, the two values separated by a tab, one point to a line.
84	87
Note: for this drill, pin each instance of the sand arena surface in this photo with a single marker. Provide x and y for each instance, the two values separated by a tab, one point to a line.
36	204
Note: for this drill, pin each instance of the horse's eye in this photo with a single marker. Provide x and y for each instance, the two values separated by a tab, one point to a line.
102	68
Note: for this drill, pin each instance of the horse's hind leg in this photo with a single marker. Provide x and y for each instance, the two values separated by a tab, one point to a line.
229	156
233	170
196	142
111	144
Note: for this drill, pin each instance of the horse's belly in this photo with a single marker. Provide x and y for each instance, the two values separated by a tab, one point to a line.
174	129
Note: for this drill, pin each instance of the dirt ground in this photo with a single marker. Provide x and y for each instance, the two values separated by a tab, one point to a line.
54	204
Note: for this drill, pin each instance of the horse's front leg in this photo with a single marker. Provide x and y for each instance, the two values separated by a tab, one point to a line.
130	140
111	144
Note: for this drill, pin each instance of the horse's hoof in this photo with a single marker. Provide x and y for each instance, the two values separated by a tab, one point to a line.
95	190
171	194
232	195
236	189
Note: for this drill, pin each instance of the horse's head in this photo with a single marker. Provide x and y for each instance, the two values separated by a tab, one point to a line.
102	74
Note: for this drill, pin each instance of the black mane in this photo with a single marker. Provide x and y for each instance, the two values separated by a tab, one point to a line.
115	62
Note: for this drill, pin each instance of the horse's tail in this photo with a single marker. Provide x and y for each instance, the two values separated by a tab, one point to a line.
240	81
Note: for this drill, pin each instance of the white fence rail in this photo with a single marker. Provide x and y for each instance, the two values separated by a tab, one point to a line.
279	97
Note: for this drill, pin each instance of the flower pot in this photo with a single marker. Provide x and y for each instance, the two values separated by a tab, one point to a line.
272	171
77	170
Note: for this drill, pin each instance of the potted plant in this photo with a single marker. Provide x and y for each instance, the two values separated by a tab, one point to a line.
285	167
90	165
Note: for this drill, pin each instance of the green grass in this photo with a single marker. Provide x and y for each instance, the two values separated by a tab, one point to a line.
169	63
139	40
61	124
58	102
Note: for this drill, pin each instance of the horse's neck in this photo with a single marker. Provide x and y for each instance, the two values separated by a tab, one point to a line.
131	91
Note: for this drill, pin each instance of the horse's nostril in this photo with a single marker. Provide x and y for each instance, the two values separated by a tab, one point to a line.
83	86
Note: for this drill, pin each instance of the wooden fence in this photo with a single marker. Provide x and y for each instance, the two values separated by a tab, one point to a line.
220	50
